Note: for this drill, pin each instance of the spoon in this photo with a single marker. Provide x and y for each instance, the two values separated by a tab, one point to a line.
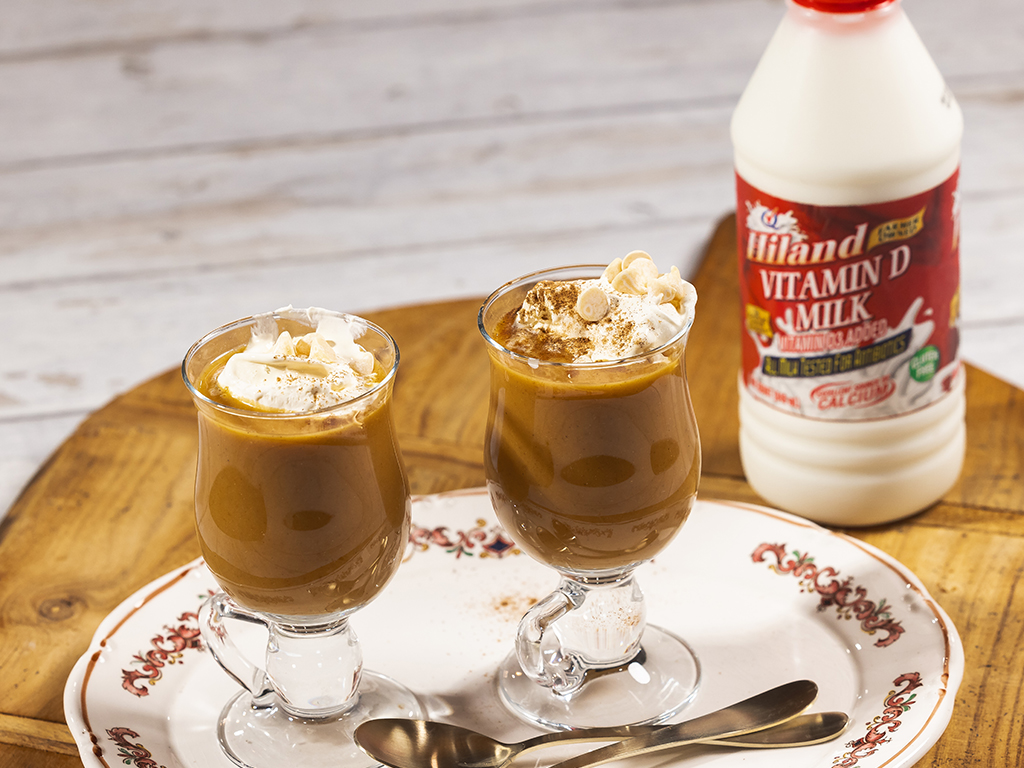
465	748
707	729
404	743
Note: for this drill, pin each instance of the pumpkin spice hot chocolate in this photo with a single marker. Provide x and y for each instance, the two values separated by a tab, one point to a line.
592	461
592	464
302	513
301	500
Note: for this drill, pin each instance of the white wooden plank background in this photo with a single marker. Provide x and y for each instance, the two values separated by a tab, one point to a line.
169	165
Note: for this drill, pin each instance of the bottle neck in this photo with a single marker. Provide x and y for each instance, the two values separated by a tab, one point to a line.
808	14
843	8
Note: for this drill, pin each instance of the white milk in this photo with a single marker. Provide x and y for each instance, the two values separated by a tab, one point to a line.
847	148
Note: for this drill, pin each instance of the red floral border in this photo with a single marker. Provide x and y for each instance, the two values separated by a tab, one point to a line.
896	703
850	601
491	540
132	754
168	648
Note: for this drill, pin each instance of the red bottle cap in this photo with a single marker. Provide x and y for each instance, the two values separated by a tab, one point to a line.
843	6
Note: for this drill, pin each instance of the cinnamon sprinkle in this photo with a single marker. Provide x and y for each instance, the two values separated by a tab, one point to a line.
528	329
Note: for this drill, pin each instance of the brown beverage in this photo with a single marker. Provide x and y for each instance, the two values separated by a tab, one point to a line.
591	466
300	514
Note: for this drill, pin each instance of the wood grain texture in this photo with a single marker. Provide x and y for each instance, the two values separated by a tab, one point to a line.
13	756
123	484
36	735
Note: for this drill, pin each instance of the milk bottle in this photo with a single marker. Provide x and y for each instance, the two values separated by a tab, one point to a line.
847	152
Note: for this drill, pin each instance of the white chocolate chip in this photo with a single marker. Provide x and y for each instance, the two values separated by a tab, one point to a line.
669	285
284	346
612	269
676	280
320	350
362	363
686	294
592	304
632	280
646	267
662	290
633	256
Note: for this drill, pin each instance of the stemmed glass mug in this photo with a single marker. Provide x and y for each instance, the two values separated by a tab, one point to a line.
303	519
592	468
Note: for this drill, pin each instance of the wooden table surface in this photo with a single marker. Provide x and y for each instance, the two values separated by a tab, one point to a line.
122	484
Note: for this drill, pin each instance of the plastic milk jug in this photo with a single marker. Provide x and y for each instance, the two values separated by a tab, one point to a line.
847	152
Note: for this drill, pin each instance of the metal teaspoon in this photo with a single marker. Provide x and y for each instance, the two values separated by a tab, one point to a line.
403	743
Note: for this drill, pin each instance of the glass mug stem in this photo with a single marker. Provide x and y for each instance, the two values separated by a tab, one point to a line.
581	627
311	672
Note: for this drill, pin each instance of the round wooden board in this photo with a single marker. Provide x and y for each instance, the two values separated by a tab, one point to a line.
112	508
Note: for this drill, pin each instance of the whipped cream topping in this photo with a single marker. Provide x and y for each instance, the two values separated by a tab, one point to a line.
632	308
280	373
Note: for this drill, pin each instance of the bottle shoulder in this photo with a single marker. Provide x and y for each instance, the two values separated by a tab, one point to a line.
866	111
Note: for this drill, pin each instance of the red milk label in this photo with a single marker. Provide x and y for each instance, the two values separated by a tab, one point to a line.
849	312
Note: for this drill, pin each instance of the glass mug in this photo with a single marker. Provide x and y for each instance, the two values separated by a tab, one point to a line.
303	519
592	468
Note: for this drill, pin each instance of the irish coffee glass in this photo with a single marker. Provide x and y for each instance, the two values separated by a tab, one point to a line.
592	469
303	519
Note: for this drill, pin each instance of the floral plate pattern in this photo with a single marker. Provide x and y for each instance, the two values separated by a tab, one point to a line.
762	596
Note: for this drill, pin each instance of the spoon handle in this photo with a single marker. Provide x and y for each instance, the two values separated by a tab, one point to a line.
582	735
754	714
801	731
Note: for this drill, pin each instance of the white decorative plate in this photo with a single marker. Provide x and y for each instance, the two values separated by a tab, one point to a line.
763	597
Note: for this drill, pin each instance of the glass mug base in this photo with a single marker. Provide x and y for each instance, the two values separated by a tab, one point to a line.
268	737
660	682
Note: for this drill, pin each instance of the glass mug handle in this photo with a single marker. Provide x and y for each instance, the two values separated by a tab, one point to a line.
580	628
325	686
211	623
